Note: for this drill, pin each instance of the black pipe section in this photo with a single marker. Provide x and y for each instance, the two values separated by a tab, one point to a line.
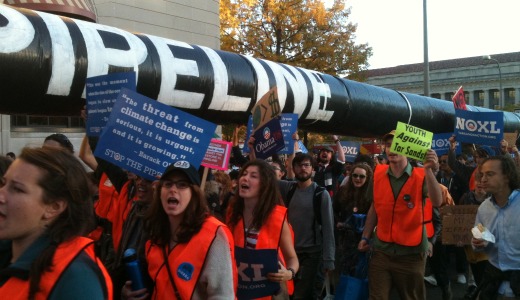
45	60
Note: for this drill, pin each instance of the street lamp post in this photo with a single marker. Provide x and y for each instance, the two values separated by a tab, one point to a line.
500	94
425	42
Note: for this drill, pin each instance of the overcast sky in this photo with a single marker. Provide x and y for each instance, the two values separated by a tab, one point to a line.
456	29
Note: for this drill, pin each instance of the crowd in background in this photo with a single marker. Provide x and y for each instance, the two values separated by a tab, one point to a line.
64	233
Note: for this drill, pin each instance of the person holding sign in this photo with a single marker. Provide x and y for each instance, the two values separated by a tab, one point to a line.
190	253
45	210
400	242
258	221
330	167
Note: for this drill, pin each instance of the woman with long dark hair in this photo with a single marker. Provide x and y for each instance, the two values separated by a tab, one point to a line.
190	253
351	204
258	219
45	209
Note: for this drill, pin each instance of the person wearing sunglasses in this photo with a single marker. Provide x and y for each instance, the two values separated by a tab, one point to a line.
190	253
400	242
351	204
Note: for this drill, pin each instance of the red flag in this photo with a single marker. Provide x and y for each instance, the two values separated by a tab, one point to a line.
459	100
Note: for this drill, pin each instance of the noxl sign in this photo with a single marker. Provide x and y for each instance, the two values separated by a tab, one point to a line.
483	128
351	150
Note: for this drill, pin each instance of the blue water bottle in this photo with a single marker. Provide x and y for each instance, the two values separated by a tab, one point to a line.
133	269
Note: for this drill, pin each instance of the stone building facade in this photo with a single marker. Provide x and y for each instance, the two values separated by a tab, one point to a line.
480	78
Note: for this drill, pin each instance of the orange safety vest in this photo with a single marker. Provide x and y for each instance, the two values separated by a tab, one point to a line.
107	195
186	261
472	185
103	207
121	208
268	237
399	220
65	254
428	216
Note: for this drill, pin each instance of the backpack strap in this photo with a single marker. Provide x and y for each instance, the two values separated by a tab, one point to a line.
290	194
316	203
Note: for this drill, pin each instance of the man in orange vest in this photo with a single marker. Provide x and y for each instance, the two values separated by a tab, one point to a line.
400	240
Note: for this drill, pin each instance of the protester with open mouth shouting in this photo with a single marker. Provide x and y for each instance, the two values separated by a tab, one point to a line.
190	253
259	221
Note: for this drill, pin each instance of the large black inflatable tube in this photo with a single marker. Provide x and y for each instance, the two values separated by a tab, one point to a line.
45	60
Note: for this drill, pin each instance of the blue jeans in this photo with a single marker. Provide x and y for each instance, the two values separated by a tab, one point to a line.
306	280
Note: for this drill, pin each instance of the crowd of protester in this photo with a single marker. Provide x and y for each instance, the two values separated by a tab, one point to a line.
64	232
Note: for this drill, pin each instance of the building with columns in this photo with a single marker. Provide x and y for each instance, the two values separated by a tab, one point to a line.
480	78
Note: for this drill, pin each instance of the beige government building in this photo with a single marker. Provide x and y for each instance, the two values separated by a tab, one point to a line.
482	78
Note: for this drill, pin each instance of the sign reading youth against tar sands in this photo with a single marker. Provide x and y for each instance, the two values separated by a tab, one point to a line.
411	141
145	136
102	92
481	128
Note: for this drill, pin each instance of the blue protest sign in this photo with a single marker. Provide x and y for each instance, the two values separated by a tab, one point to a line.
249	131
145	136
253	265
102	92
268	139
289	125
351	150
481	128
441	145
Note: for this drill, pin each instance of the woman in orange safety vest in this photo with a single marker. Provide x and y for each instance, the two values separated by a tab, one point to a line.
259	221
190	253
45	209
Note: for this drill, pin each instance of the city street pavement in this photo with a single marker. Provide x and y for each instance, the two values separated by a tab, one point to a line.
435	293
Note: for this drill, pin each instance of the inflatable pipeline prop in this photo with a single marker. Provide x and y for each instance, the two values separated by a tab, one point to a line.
45	60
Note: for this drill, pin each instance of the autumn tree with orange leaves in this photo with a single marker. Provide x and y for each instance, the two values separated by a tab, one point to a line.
301	33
